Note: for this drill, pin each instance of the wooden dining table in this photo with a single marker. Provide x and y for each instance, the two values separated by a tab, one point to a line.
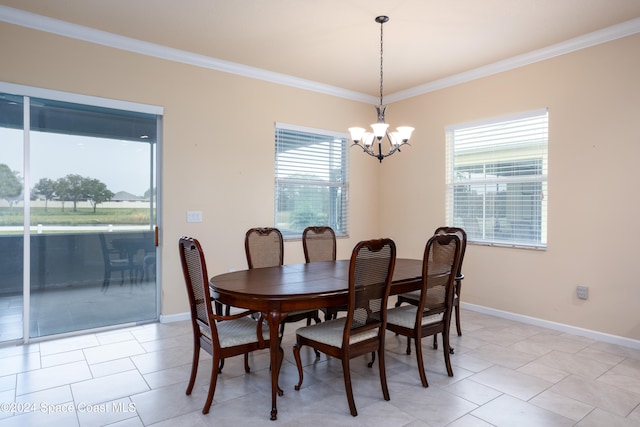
276	291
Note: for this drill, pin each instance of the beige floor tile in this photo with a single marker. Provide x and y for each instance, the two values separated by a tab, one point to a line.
192	419
168	402
21	363
562	405
113	351
507	411
562	342
506	357
64	415
596	393
574	364
436	406
511	382
64	345
55	376
7	397
106	413
469	421
626	352
112	367
109	388
165	359
8	382
62	358
472	391
542	371
600	418
45	398
625	375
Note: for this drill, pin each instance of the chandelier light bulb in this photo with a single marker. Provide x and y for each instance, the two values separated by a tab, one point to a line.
357	133
379	129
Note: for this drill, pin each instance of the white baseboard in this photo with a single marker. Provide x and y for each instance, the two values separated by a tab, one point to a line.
598	336
175	317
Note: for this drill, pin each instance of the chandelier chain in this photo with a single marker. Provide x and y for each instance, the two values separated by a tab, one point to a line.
381	56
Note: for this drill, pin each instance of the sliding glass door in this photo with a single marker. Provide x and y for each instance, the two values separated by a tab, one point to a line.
88	199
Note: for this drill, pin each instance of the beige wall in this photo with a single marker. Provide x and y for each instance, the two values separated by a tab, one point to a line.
218	152
593	97
218	146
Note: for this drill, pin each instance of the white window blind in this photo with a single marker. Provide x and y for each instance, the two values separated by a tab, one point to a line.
497	179
310	180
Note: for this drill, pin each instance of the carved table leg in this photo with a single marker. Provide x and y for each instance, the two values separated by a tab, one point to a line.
275	351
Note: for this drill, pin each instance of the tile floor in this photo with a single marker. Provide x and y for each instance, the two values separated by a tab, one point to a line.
506	374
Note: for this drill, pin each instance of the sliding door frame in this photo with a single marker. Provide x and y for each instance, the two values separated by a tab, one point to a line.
28	92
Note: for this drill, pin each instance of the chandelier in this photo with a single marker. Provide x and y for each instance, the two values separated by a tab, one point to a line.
364	139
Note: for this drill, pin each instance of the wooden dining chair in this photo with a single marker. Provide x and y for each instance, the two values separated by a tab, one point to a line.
114	261
222	336
412	297
362	331
432	314
319	244
264	247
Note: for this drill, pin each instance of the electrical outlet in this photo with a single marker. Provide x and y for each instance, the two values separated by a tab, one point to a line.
582	291
194	216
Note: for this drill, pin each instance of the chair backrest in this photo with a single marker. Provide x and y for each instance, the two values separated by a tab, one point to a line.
370	272
196	279
439	270
319	244
105	249
462	235
109	253
264	247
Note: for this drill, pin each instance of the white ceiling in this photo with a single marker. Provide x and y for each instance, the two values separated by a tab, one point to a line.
337	42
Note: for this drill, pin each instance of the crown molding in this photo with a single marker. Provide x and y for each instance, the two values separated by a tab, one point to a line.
91	35
608	34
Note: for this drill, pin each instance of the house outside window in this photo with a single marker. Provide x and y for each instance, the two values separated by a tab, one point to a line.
497	179
311	171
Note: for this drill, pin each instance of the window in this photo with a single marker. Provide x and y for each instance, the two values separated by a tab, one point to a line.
310	180
497	179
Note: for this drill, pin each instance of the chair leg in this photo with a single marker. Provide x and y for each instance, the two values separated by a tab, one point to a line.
220	366
106	280
373	359
435	341
447	351
194	368
347	386
246	363
423	376
317	320
457	306
383	374
296	354
408	345
212	385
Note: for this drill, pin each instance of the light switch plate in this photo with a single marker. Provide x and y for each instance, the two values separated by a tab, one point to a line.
194	216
